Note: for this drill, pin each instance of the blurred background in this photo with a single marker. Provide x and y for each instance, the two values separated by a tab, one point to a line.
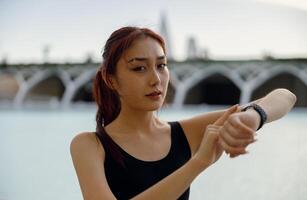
221	52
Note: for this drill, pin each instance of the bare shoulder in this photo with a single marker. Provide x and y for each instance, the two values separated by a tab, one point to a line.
88	159
86	142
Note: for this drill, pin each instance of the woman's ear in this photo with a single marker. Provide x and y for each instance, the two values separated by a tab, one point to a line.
109	80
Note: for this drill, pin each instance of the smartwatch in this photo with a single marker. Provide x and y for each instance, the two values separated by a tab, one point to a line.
260	111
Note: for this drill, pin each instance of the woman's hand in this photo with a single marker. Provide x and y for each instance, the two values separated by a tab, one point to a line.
238	132
210	150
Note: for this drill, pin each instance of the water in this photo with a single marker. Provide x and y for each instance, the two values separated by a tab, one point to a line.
35	162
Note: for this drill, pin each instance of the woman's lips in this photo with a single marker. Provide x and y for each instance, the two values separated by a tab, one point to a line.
154	95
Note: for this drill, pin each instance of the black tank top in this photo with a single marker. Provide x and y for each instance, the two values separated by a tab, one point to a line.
138	175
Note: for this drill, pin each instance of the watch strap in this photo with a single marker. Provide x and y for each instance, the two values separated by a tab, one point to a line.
260	111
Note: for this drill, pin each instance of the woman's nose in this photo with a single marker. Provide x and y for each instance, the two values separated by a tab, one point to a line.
155	78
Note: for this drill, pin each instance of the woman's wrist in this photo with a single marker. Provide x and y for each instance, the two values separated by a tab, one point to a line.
198	164
259	114
256	116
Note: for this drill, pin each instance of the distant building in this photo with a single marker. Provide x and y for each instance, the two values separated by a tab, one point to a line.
166	35
192	50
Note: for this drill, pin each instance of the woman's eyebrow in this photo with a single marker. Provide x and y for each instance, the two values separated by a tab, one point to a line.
144	59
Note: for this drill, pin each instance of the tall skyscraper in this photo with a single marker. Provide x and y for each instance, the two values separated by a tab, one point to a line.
192	51
166	35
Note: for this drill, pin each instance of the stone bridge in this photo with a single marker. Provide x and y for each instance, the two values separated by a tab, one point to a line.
192	82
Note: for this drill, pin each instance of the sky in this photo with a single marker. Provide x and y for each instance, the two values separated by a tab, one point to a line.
228	29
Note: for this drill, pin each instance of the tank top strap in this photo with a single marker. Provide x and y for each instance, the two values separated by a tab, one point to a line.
112	150
103	140
180	141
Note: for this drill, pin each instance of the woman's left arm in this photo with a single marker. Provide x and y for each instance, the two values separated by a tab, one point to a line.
276	104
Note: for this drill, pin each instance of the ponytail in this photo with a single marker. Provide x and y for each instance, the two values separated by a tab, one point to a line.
108	109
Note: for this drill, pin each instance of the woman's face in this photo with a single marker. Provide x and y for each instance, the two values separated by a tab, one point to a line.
141	77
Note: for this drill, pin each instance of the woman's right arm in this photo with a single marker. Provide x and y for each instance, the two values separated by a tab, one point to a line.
88	158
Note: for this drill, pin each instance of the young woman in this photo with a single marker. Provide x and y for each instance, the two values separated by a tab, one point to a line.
135	155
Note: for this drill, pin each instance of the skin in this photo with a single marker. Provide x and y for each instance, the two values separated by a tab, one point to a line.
146	137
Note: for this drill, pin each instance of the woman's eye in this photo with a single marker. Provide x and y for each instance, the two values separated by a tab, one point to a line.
162	66
139	69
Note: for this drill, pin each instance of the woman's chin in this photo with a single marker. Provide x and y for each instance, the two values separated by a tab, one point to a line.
154	107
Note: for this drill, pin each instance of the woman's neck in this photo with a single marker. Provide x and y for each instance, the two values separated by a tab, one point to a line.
135	121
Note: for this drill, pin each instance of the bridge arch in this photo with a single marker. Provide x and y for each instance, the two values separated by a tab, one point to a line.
290	78
230	77
58	76
80	83
49	88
